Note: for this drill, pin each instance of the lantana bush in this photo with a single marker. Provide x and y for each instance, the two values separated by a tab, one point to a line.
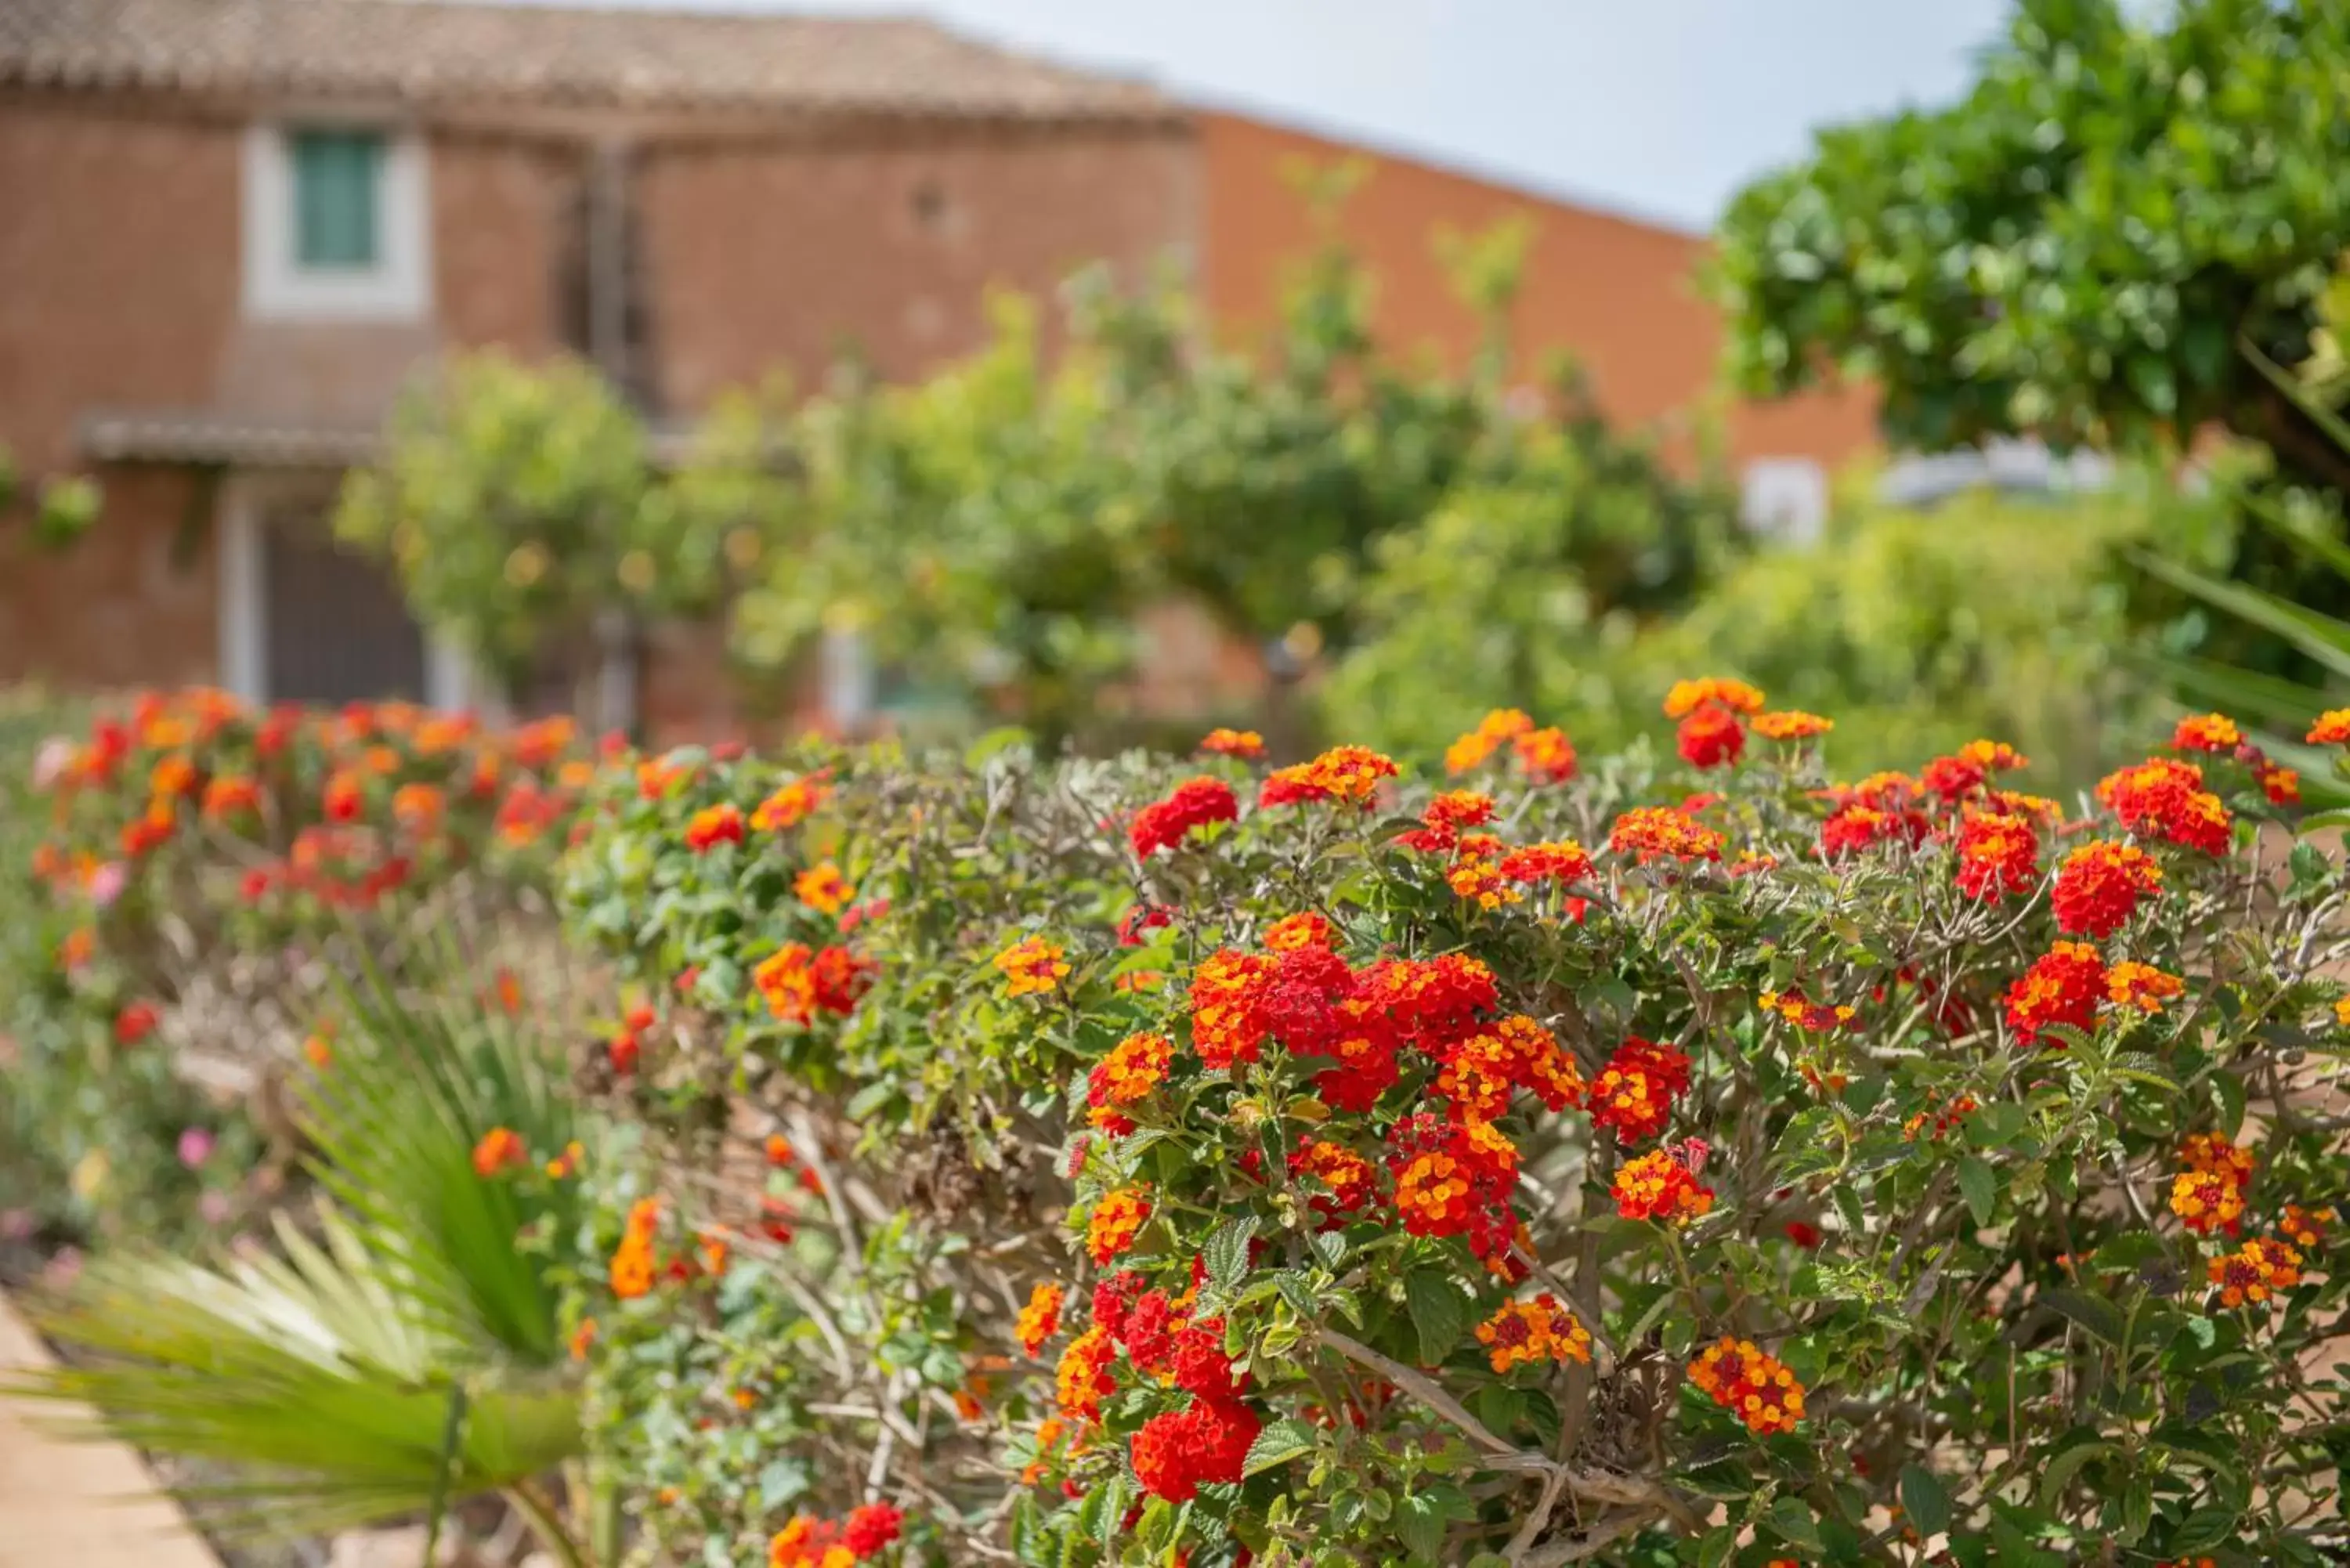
1634	1159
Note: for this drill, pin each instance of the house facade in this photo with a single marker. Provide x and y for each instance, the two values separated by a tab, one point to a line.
235	229
232	231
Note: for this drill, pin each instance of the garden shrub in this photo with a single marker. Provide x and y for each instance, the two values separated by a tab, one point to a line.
188	882
1600	1159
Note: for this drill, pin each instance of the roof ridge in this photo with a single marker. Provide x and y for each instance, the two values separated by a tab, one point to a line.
588	54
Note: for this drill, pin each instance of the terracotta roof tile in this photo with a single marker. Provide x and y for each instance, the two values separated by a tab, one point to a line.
456	51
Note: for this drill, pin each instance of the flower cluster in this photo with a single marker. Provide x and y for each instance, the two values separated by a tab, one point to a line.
1660	1186
1753	1385
2260	1270
1655	831
1713	732
1193	803
1041	1318
713	825
1343	775
1635	1090
1528	1332
1791	724
1443	819
501	1149
823	888
809	1543
1455	1178
1494	731
2164	799
1997	855
1125	1078
2306	1228
1115	1221
2208	1195
1032	967
1814	1017
2063	986
1544	755
634	1265
1246	744
2141	987
799	982
2100	886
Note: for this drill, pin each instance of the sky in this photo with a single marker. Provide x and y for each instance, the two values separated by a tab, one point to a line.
1658	108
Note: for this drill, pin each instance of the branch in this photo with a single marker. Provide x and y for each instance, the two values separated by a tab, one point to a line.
1610	1529
1595	1486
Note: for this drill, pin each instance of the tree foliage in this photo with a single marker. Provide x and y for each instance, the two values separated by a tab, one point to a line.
990	532
1925	627
2082	248
518	505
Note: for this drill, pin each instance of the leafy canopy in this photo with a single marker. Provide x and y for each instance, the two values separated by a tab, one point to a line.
2077	247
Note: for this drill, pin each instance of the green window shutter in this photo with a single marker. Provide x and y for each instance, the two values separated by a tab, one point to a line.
338	176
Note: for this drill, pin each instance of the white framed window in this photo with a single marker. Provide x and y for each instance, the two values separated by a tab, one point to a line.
1785	498
337	219
303	622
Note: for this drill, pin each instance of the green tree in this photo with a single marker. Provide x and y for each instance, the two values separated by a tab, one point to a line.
2082	247
996	528
521	509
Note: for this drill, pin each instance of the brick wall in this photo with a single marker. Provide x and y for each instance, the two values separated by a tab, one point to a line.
758	257
1621	296
118	266
132	604
499	231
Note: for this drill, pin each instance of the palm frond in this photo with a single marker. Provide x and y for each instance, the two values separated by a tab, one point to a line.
310	1371
425	1065
2325	640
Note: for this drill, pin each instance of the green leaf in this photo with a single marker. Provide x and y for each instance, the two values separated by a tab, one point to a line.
1227	1252
1925	1501
2094	1313
2229	1089
1420	1525
1278	1444
2145	1070
2203	1530
1438	1313
1979	1184
1791	1519
994	744
2057	1473
1726	1478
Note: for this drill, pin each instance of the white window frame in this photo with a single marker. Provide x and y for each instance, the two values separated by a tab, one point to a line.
398	287
243	600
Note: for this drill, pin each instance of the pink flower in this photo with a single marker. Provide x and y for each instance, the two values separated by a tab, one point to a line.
213	1207
56	754
105	883
195	1148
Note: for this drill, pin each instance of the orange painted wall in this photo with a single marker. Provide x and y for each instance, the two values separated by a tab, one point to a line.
1621	296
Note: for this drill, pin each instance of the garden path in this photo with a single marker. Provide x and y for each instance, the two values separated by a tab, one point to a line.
78	1505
